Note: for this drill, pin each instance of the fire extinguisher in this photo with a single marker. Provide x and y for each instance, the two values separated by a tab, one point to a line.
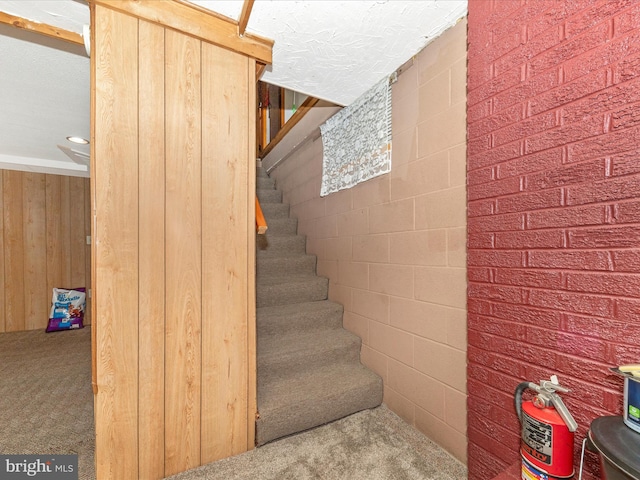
547	431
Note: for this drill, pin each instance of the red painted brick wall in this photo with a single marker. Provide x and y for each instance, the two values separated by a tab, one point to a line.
554	211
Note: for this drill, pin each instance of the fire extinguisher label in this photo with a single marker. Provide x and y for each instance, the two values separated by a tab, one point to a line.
537	439
531	473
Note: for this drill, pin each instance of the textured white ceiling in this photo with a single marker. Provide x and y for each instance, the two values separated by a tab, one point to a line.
333	50
336	50
44	93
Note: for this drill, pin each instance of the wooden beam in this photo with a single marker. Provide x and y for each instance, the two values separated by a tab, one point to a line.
196	21
260	68
244	16
41	28
261	223
286	128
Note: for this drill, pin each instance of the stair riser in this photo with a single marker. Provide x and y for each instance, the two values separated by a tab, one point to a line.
285	294
261	172
275	210
299	264
273	325
305	414
275	245
299	362
264	183
269	196
282	226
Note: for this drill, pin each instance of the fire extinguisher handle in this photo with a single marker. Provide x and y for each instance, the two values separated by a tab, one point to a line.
559	405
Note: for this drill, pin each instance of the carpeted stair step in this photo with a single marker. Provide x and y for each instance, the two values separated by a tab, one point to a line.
295	403
291	265
263	183
308	317
261	172
293	352
274	245
287	289
274	210
309	371
282	226
269	196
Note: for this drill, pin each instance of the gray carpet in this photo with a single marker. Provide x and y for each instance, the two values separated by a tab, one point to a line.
46	402
369	445
46	407
309	370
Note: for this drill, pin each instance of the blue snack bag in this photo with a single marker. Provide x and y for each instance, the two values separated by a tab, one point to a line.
67	309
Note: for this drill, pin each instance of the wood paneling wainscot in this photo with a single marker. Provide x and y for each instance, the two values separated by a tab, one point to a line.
42	244
173	162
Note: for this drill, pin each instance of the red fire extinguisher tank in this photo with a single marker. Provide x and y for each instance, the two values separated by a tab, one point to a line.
547	442
547	432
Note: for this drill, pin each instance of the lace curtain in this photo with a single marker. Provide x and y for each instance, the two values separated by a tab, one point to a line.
357	141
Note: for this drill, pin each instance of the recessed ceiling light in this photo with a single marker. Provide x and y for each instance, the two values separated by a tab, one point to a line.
80	140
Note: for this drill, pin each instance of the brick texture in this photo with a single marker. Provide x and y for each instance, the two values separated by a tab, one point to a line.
553	213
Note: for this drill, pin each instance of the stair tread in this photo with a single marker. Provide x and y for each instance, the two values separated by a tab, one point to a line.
289	279
296	257
272	347
296	308
274	244
309	316
289	264
323	382
281	237
281	220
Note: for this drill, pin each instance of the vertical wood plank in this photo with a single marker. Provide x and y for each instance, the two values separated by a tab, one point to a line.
2	261
87	249
36	301
53	220
92	200
151	250
252	380
114	166
76	233
13	251
225	238
65	232
183	253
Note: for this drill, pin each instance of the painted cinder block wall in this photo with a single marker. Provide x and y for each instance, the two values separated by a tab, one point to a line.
553	211
394	246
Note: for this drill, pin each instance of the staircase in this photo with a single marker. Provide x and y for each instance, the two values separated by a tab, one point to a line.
309	370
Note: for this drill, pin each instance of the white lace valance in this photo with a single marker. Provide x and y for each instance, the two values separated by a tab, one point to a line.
357	141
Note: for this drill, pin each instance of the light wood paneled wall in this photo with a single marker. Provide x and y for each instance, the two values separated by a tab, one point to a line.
173	172
43	246
183	254
151	183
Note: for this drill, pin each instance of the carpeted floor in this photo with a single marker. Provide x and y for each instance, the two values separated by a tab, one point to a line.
46	402
46	407
369	445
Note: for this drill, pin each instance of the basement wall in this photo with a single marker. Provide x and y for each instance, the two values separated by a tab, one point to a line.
43	228
173	204
554	212
394	246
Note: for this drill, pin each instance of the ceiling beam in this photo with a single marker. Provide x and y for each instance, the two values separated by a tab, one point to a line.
244	16
41	28
196	21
